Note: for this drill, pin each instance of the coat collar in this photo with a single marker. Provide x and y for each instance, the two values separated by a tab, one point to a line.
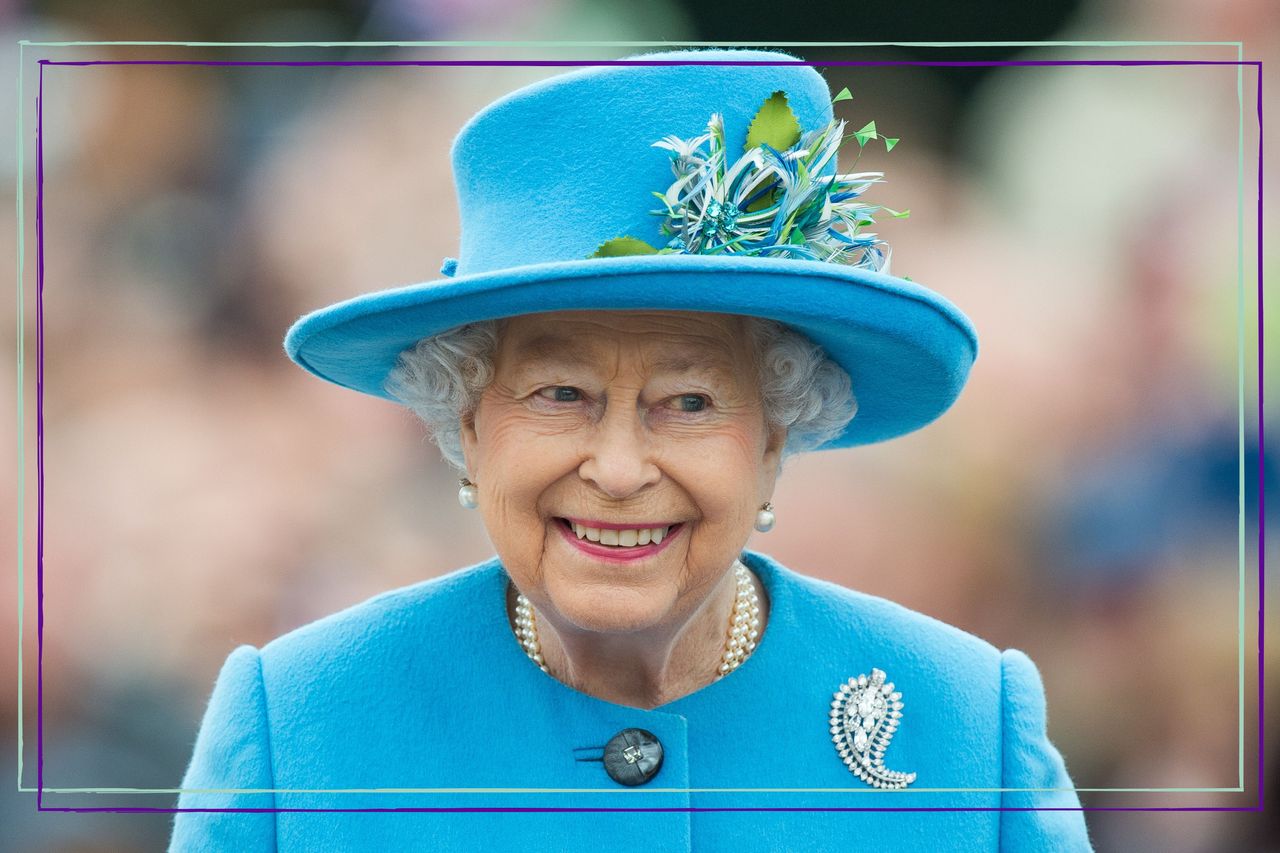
737	685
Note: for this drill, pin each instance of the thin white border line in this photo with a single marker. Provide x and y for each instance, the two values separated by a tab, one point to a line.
1237	44
23	43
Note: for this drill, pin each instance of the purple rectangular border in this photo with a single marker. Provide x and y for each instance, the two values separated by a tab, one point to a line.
40	423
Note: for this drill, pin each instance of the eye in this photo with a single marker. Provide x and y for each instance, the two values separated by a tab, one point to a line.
691	402
561	393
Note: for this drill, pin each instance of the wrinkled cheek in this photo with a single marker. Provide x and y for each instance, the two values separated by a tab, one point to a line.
506	523
727	501
748	446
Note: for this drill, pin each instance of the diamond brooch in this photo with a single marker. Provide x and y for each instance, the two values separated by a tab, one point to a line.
864	715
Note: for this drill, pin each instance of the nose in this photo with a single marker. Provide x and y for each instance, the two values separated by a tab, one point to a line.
619	459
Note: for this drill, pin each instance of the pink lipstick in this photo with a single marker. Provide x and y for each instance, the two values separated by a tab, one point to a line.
614	553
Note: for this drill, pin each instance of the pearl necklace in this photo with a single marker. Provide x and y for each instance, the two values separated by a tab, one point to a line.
743	634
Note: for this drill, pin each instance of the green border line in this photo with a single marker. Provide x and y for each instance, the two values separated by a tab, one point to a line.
628	791
1239	45
1240	402
22	450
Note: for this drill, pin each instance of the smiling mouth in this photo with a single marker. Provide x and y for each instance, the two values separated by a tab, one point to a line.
620	539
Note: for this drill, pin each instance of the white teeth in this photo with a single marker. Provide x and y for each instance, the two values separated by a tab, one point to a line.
621	538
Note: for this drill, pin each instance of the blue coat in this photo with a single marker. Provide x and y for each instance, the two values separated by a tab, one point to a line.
426	687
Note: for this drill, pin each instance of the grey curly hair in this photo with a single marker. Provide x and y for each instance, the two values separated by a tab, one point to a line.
441	378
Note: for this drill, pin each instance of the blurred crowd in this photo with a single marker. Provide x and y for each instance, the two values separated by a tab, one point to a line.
1081	501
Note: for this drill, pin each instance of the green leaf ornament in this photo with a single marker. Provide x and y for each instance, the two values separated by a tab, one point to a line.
774	124
622	246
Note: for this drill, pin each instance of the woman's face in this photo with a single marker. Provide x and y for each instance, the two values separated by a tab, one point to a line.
629	419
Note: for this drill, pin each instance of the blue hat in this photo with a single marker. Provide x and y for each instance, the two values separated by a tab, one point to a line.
621	187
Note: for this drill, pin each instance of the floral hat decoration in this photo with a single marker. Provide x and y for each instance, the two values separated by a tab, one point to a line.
557	184
772	201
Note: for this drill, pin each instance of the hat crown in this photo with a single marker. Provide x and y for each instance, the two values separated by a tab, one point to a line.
554	169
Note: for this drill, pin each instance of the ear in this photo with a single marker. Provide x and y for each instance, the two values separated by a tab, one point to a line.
771	464
470	442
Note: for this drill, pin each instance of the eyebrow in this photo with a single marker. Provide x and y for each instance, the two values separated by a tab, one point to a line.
569	352
553	348
683	361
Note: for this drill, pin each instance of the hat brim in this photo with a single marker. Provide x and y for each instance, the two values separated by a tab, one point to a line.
907	350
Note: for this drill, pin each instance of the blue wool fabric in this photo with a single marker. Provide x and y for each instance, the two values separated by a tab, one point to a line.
426	687
548	173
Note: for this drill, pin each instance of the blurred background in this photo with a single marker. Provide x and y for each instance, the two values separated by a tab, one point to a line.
1079	502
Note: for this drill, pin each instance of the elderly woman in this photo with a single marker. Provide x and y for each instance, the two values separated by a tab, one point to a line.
618	387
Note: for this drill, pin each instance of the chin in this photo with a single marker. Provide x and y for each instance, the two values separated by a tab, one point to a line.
604	608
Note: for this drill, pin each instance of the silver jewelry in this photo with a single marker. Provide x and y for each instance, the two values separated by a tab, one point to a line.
765	518
743	634
864	715
468	494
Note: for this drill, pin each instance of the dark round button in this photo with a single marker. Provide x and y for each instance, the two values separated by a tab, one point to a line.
633	756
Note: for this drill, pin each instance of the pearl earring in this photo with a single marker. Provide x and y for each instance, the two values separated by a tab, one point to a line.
468	494
765	518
